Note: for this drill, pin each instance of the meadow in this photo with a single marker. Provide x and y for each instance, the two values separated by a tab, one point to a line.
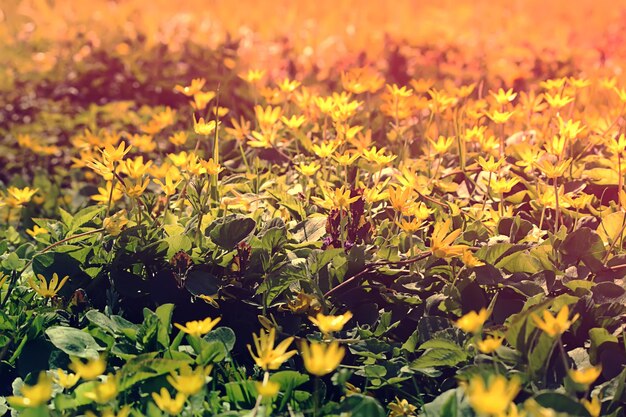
330	208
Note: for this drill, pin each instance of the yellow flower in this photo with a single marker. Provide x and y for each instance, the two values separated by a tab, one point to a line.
489	344
36	231
493	398
555	326
621	93
594	407
503	185
240	129
401	408
90	370
111	154
135	189
170	405
324	150
500	117
321	358
267	388
398	92
189	381
308	170
178	138
378	157
400	198
199	327
104	193
201	99
585	376
34	395
48	290
340	198
294	122
288	86
329	324
195	86
169	187
135	168
253	76
503	97
268	357
3	279
103	392
66	380
470	260
441	241
411	226
202	127
346	158
557	100
442	145
212	168
490	165
617	145
553	171
114	224
268	117
17	197
472	322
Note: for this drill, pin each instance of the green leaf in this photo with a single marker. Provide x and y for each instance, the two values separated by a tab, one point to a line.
102	321
74	342
598	337
583	245
359	405
440	357
561	403
176	244
225	335
229	231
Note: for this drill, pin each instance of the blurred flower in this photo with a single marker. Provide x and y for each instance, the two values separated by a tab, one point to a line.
33	395
585	376
321	358
189	381
441	240
36	231
493	398
17	197
594	407
165	402
489	344
103	392
91	369
472	322
193	88
66	380
308	170
267	388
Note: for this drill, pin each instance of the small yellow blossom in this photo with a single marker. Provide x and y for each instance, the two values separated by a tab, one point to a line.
472	322
594	407
165	402
489	344
33	395
267	356
91	369
555	325
441	241
401	408
66	380
198	327
17	197
103	392
267	388
493	398
114	224
308	170
321	358
329	324
46	289
585	376
189	381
